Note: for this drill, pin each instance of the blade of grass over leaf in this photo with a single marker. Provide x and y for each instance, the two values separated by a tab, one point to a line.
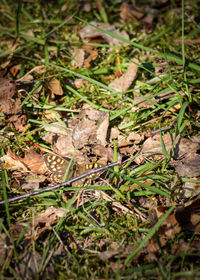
149	235
169	56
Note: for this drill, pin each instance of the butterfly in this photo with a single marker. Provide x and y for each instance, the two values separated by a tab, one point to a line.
59	167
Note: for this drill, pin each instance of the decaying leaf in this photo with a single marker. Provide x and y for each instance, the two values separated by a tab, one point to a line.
141	102
39	224
91	128
8	90
128	14
29	77
182	218
54	87
182	145
89	32
78	57
6	250
189	165
31	162
29	264
123	83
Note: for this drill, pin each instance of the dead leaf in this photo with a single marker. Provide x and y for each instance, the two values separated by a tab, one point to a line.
89	32
32	183
191	189
182	218
54	87
42	222
188	41
8	90
141	102
6	250
91	53
28	265
56	128
182	147
124	82
106	255
188	166
29	77
31	162
78	57
80	82
91	124
128	14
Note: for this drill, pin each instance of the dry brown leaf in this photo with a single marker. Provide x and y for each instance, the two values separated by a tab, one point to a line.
191	189
12	163
7	90
6	250
129	145
188	166
78	57
8	62
28	265
32	161
89	32
183	146
56	128
106	255
80	82
124	82
182	218
54	87
28	77
87	130
32	183
188	41
92	54
128	14
143	103
39	224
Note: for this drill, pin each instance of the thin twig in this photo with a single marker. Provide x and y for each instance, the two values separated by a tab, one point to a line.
164	128
55	187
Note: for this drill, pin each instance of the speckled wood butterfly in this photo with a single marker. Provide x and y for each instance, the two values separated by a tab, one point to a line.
58	167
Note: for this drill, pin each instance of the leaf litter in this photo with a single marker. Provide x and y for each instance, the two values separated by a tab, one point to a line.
88	134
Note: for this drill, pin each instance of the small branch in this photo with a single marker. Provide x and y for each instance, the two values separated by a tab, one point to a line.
55	187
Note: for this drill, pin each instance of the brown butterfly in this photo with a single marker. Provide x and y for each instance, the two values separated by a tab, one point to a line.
65	169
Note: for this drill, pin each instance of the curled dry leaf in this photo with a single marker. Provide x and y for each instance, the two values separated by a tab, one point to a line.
84	56
89	32
87	134
123	83
191	189
31	162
